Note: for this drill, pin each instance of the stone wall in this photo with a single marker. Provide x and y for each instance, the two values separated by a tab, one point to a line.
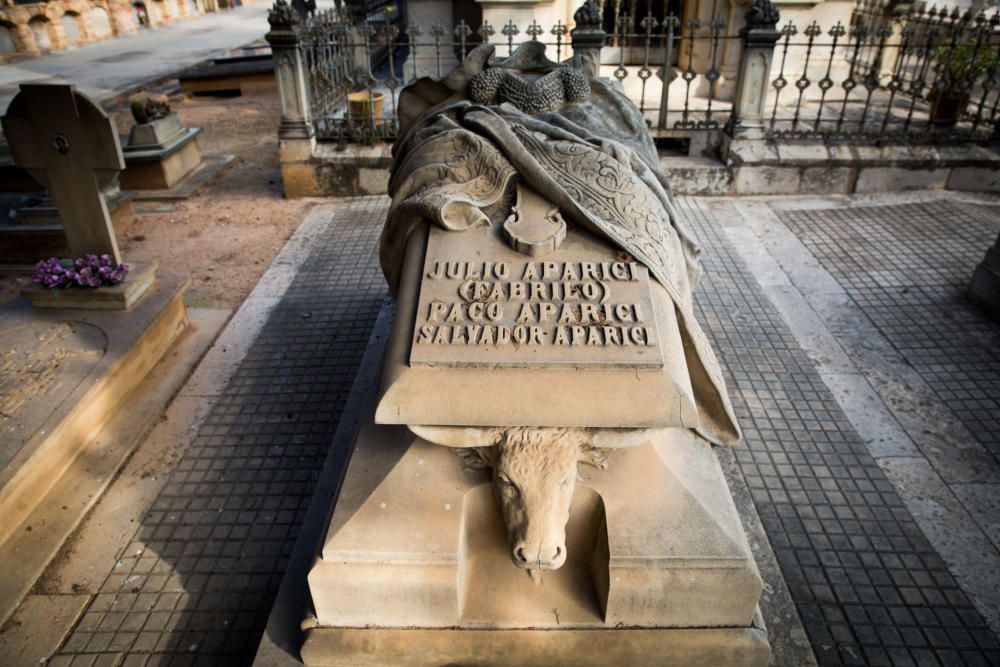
33	29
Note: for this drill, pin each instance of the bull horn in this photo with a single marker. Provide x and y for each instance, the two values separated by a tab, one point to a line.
458	436
617	438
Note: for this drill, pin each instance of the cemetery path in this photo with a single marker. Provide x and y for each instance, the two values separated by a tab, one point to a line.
107	69
867	482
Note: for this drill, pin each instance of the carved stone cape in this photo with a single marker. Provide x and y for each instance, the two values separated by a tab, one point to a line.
590	155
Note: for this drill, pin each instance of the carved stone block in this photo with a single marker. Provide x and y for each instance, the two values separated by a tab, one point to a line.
589	373
416	541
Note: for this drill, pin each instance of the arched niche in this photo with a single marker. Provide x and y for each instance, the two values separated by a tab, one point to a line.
40	29
71	27
100	23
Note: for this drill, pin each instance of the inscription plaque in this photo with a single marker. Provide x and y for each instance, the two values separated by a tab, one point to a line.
483	304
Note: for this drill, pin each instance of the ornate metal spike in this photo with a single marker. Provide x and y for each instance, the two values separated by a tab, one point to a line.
813	30
838	30
462	30
534	30
789	30
486	31
437	31
510	30
414	30
693	24
649	23
559	29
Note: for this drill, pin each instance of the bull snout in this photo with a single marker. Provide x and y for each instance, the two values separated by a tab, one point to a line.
541	556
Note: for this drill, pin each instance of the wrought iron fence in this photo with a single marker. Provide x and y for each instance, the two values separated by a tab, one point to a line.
923	76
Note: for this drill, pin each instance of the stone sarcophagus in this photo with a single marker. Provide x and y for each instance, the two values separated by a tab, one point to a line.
535	481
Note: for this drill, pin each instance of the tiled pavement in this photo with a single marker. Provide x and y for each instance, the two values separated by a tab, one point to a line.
907	266
196	583
868	586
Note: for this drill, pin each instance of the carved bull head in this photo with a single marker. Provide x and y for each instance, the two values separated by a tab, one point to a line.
534	475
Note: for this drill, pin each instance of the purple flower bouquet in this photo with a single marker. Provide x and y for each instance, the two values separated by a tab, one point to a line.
89	271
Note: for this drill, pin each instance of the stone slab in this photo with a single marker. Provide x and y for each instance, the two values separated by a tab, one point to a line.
122	296
66	505
416	540
210	166
133	343
706	647
517	394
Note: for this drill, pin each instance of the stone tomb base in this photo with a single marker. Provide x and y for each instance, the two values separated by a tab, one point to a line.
78	388
163	160
414	568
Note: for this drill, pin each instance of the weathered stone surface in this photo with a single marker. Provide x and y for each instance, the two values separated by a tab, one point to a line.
766	180
41	363
974	179
827	180
888	179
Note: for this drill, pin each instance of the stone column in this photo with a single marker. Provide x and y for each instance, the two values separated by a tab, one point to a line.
985	287
588	37
289	72
759	37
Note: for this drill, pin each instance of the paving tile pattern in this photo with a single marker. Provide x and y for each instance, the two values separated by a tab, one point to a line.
907	266
868	586
197	582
